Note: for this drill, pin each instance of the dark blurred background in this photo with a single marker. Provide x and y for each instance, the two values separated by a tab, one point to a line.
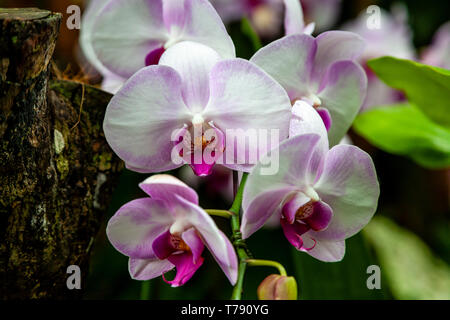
409	238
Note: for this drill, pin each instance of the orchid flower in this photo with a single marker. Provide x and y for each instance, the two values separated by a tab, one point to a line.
321	196
119	37
111	82
131	34
321	71
193	90
168	230
438	53
392	37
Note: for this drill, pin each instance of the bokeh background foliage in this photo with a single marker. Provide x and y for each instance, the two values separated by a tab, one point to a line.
408	238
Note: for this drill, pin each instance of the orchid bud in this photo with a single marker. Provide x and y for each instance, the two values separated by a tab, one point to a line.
277	287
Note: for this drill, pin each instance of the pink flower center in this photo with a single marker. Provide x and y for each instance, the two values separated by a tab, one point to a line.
201	146
178	244
304	211
295	221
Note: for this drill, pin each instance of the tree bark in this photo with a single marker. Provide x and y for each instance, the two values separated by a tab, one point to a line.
57	171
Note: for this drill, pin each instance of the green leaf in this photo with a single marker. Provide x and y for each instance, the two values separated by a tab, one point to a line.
425	86
411	269
346	279
404	130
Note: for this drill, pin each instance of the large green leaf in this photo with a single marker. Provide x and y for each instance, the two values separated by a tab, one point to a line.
425	86
346	279
412	270
405	130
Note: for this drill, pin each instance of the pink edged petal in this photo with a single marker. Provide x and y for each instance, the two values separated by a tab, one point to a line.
186	267
203	25
290	61
349	185
262	207
323	250
305	119
290	208
343	91
165	187
146	269
190	215
246	103
293	174
227	260
193	62
173	14
294	232
124	33
88	20
333	46
320	217
293	17
135	226
194	242
141	118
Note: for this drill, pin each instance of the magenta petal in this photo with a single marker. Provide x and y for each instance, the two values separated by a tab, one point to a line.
321	216
162	246
202	169
185	268
165	187
326	117
154	56
293	232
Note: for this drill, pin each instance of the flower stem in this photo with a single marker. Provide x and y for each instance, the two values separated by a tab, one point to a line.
239	244
219	213
145	290
267	263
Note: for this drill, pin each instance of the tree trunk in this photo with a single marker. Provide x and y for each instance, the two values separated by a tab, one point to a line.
56	172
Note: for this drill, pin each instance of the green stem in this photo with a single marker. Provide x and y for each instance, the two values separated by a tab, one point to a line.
267	263
145	290
238	243
219	213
